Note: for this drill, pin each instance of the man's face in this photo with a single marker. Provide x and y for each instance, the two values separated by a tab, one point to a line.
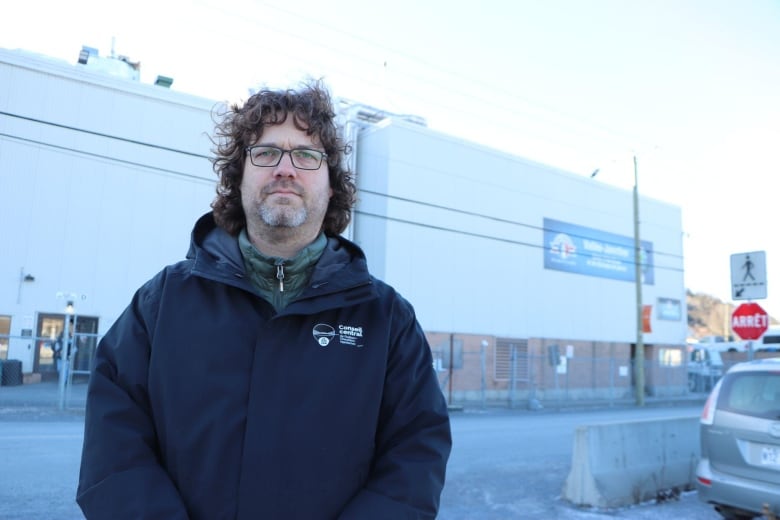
284	196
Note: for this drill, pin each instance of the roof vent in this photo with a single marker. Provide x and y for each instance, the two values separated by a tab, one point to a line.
163	81
118	66
372	115
85	53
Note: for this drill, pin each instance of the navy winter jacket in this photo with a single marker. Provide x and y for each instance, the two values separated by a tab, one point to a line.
206	404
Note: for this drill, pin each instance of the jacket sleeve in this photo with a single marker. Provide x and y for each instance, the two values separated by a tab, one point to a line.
413	439
121	476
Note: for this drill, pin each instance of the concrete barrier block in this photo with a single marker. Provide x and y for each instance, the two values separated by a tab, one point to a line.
620	464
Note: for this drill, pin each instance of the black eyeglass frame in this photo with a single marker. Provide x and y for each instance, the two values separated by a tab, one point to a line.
249	149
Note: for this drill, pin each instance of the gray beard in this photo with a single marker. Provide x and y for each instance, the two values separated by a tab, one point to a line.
281	216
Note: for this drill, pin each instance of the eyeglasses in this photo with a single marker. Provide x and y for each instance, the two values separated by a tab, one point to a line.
302	158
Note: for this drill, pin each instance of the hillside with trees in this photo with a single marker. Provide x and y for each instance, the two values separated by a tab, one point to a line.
710	316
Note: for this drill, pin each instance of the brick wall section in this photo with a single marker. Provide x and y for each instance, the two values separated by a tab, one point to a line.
588	370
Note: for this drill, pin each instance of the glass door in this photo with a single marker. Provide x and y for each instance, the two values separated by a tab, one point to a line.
52	346
50	327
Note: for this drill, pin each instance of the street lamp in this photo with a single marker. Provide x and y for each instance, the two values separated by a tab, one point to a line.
66	349
68	346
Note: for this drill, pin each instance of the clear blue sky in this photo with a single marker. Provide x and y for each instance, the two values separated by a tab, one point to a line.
692	87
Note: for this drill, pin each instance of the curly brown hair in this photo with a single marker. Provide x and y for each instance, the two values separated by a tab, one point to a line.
240	126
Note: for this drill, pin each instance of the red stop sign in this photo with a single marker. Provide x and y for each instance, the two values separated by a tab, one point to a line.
749	321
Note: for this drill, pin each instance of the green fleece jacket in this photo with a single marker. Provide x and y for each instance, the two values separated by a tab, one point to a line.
280	280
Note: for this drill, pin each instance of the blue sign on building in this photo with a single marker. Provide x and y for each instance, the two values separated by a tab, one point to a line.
582	250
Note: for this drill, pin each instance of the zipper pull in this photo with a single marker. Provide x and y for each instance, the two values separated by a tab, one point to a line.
280	275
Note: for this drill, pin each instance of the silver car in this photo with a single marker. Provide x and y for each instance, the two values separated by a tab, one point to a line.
739	469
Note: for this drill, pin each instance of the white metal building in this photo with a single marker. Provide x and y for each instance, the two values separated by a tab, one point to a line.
484	241
102	178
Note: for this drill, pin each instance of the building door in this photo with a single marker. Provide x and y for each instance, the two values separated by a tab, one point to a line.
50	327
50	335
5	330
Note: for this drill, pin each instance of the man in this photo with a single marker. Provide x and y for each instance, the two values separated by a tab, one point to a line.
268	375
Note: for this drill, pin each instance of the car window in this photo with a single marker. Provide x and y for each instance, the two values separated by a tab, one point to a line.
771	338
752	393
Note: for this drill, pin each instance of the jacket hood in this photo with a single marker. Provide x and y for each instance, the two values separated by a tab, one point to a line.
208	238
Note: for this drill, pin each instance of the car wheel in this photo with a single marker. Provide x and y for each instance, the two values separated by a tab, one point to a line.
729	513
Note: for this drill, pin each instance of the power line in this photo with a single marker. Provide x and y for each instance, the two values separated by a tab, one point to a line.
427	65
107	136
502	220
105	157
498	239
201	156
480	101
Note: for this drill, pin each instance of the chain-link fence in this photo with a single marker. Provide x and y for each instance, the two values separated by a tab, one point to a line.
486	371
473	370
536	373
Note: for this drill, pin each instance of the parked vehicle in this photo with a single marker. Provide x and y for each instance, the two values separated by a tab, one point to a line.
724	343
705	367
770	341
739	468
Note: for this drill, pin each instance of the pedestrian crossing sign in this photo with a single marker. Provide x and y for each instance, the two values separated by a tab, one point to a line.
748	276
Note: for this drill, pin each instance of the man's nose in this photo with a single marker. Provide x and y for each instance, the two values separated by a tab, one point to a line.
285	166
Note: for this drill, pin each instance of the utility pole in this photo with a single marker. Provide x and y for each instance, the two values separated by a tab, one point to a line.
726	322
639	354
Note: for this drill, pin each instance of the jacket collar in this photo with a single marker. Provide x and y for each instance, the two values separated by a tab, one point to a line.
216	255
280	280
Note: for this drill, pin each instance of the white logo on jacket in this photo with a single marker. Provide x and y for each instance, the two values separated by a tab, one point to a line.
323	333
348	334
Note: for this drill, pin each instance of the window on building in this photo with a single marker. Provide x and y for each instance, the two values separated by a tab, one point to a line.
670	357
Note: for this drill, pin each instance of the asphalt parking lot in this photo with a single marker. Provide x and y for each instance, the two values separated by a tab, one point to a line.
506	464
